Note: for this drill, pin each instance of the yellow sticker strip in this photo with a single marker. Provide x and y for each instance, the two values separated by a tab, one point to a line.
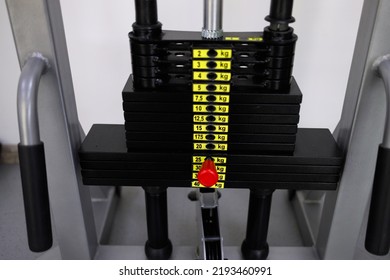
211	64
217	160
211	88
257	39
210	53
219	185
211	128
211	118
212	76
220	168
211	108
206	137
211	98
221	177
232	38
210	146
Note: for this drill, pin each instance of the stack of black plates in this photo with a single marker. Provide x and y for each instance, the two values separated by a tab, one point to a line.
245	122
315	164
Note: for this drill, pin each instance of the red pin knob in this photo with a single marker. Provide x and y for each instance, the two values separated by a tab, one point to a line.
208	175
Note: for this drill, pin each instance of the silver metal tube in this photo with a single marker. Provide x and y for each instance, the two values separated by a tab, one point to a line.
30	76
382	66
212	19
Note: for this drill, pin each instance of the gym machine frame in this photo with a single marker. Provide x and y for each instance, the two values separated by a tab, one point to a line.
62	134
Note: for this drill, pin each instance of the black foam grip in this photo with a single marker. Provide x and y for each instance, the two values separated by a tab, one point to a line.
378	227
36	197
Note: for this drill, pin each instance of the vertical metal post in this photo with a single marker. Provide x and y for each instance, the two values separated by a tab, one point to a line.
255	246
280	14
146	19
212	19
359	133
37	27
158	246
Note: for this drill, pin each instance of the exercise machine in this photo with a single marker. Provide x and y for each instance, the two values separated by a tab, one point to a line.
232	91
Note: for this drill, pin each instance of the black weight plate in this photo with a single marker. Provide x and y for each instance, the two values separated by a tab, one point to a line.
155	107
255	148
174	166
230	176
211	128
293	96
233	137
228	184
106	142
233	119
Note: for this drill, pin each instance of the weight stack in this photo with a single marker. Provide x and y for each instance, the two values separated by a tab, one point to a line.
212	98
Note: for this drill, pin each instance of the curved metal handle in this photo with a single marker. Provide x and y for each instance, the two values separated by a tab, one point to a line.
32	157
378	227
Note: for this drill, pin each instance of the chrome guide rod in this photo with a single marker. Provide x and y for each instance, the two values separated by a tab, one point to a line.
212	19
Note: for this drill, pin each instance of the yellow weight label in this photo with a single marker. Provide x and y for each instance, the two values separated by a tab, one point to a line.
198	159
221	119
207	118
211	64
212	76
210	146
207	98
221	137
217	137
201	159
210	108
222	99
221	147
232	38
211	118
200	108
221	177
220	160
199	98
210	88
200	137
257	39
219	185
221	169
201	146
197	167
205	53
200	128
200	119
211	128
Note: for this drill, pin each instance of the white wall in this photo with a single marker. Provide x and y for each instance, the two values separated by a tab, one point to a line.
99	53
9	73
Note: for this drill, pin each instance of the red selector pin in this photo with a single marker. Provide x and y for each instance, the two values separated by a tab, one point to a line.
208	175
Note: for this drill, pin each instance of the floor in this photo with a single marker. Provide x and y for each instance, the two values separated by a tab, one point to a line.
129	227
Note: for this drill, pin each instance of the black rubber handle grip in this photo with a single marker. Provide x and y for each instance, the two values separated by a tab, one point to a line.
36	197
378	227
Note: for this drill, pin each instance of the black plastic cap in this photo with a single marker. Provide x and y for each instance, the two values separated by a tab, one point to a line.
163	253
254	254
